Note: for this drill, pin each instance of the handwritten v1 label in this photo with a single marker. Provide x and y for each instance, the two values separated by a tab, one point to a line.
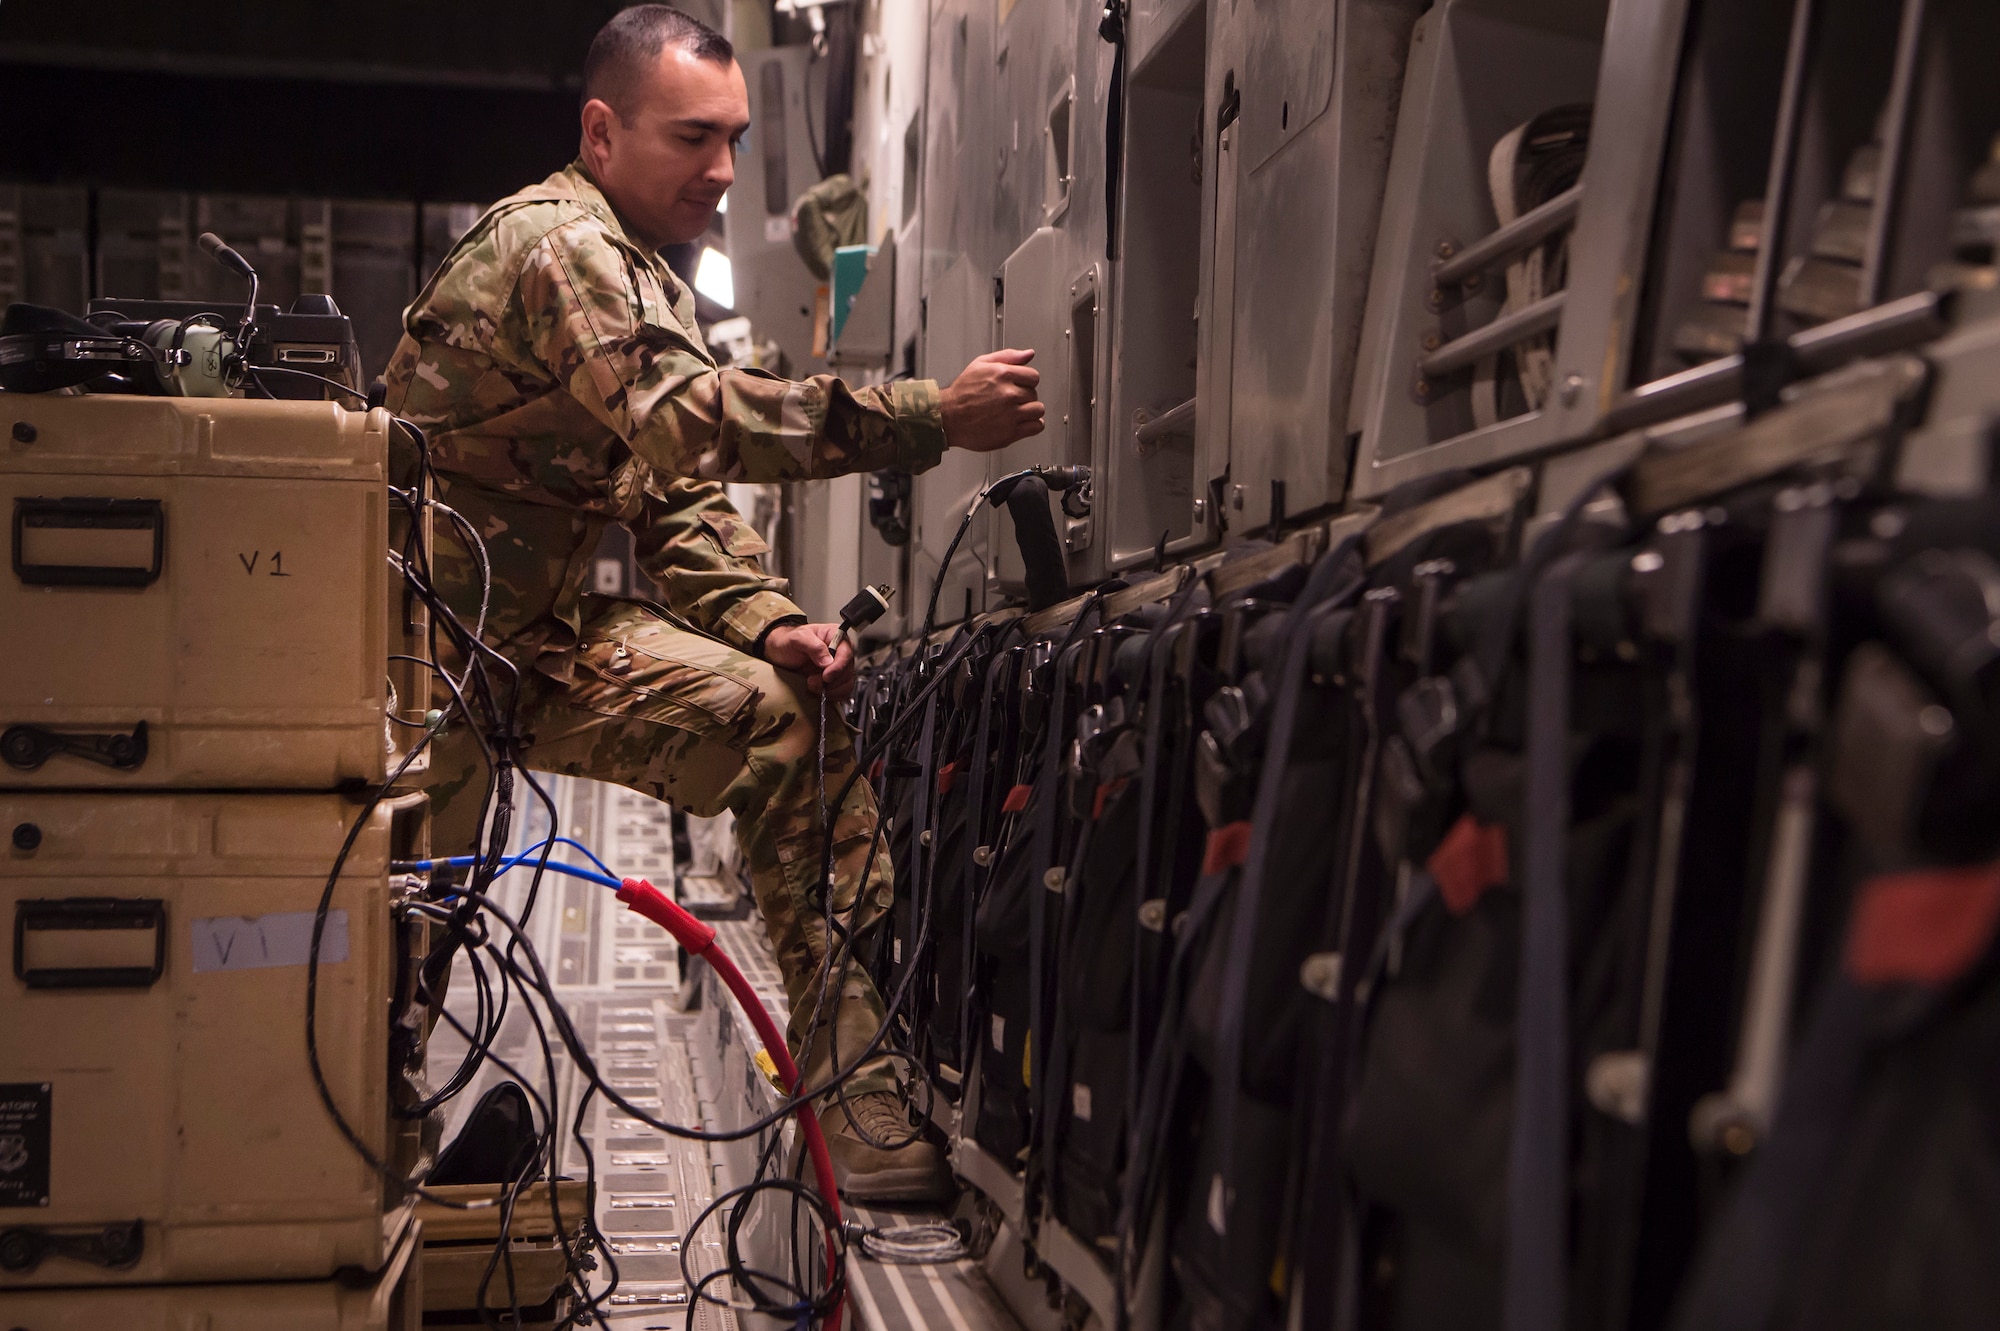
239	943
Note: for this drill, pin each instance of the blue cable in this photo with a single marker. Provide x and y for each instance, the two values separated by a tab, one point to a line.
553	840
588	853
461	861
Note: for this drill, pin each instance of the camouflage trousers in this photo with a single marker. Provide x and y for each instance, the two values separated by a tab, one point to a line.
684	718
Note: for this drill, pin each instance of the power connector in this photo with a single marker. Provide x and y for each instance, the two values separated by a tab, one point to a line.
868	605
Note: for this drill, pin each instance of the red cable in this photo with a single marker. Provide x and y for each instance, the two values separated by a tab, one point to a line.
699	939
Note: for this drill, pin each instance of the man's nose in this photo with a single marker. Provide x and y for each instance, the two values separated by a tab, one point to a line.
722	168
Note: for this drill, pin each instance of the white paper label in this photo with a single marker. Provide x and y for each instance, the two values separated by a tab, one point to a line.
777	230
1079	1101
237	943
1000	1034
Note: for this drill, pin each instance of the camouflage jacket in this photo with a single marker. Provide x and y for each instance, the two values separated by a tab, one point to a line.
556	366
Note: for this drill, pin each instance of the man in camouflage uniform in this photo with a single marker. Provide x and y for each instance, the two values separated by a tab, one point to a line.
555	363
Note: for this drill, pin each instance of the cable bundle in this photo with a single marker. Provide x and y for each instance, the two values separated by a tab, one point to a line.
455	893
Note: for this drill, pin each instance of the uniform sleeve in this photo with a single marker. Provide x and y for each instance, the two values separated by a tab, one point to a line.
593	323
700	552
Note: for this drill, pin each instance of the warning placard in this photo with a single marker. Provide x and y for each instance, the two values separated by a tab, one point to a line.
24	1143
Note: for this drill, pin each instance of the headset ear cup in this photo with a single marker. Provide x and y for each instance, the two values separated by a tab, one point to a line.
163	336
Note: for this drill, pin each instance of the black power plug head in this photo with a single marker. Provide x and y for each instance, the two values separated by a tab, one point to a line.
868	605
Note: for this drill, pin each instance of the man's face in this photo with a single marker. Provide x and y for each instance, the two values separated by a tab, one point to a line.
666	171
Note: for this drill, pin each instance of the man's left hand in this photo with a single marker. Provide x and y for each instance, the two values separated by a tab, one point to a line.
820	652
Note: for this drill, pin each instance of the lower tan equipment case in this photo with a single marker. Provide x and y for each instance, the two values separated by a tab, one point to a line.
391	1301
154	1086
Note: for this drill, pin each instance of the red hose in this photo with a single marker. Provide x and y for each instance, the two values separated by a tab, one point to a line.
699	939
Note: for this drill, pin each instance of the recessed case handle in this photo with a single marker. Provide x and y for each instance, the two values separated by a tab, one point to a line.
88	915
51	534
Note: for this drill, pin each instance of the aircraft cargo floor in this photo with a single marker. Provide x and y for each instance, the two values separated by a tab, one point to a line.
674	1050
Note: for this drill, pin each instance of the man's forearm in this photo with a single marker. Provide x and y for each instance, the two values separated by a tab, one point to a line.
735	425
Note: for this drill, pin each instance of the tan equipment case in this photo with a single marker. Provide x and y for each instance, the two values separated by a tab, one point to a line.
153	1066
458	1244
213	570
392	1301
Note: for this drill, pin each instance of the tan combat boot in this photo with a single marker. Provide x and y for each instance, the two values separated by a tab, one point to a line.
914	1171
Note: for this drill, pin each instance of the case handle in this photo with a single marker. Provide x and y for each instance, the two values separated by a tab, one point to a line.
26	747
51	950
88	542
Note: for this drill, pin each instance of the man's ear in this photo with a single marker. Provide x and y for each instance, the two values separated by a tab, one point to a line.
598	122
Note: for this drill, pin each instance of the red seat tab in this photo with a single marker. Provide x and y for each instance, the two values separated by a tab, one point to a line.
1228	846
1017	799
947	775
1107	792
1471	858
1927	926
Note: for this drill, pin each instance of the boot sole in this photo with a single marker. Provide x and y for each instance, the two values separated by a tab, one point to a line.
895	1185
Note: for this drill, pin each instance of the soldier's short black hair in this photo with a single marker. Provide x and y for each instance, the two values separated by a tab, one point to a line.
627	46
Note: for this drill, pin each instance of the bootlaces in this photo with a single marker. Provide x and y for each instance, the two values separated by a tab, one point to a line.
880	1115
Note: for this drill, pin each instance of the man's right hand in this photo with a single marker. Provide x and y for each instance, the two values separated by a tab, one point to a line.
992	402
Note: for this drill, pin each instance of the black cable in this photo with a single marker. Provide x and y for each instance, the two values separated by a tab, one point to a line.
484	1009
840	958
919	948
510	1189
489	1009
374	801
534	981
944	565
747	1278
812	139
550	1112
257	372
489	717
485	871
